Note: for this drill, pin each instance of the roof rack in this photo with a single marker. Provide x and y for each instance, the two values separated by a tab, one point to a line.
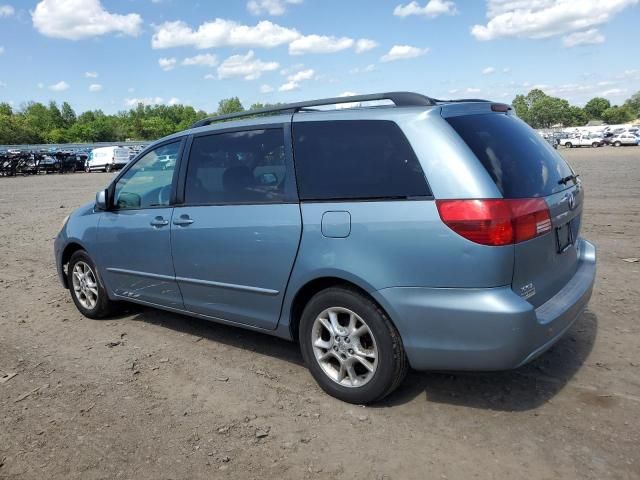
400	99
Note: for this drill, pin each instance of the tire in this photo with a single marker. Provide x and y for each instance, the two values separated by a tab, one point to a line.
595	144
380	342
82	293
568	145
108	168
87	169
617	144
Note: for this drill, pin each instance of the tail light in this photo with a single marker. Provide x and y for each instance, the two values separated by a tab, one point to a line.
496	221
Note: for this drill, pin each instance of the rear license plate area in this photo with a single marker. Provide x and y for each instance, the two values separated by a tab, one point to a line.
564	237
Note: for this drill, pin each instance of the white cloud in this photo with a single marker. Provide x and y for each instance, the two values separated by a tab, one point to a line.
293	80
131	89
365	44
40	85
401	52
132	102
614	92
205	60
319	44
246	66
292	68
472	90
506	70
488	71
6	11
61	86
222	33
2	84
1	49
588	37
369	68
433	8
270	7
210	76
266	88
289	86
545	18
167	64
95	87
91	74
77	19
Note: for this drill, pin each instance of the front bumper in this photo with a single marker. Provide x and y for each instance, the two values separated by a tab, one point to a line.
485	328
58	246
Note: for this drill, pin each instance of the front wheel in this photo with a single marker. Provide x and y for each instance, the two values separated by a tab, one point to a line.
87	291
595	144
617	144
351	347
568	145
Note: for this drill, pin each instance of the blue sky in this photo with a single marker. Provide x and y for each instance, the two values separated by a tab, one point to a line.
109	54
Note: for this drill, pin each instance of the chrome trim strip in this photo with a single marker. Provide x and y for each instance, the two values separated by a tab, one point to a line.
142	274
231	286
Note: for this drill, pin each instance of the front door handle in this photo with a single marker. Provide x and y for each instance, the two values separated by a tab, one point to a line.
183	220
159	222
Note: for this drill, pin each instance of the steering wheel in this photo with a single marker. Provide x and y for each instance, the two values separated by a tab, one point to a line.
163	195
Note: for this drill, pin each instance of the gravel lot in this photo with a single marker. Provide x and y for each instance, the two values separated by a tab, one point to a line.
152	395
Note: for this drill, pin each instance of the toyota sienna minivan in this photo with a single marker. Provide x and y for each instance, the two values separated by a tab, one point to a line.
412	232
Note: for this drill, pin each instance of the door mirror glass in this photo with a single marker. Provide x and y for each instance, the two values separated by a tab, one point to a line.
268	179
101	200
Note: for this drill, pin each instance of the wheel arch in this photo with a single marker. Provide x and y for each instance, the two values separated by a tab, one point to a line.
71	248
312	287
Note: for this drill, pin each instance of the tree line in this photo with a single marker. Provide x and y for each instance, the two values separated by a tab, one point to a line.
38	123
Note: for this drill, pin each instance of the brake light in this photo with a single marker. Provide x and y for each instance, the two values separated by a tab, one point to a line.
496	221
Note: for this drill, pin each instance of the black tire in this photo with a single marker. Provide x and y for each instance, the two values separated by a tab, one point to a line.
108	168
568	145
595	144
104	307
392	361
617	144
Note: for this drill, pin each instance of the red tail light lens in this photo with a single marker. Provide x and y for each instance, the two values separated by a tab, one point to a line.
496	221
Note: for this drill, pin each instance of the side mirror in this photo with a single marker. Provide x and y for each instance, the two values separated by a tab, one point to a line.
268	179
101	200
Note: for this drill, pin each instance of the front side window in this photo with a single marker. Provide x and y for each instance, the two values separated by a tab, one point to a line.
148	182
238	167
356	160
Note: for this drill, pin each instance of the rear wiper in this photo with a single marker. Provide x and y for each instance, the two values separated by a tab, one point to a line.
565	180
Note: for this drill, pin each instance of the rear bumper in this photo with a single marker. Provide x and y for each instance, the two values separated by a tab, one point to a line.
485	329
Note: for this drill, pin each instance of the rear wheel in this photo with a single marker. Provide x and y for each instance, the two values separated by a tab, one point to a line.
617	144
351	347
595	144
108	168
87	291
568	145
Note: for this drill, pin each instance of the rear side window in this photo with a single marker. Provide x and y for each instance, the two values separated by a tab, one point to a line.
239	167
519	161
355	160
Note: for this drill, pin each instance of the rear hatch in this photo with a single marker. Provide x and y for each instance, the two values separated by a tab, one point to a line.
523	165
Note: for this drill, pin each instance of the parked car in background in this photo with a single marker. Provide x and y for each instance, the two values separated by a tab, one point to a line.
107	159
624	139
345	231
582	141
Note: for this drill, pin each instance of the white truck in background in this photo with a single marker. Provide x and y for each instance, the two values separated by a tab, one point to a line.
107	159
588	140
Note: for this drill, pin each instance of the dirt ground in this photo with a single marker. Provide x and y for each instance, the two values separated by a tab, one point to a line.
153	395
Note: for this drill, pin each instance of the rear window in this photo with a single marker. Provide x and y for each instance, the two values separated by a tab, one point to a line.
520	162
356	160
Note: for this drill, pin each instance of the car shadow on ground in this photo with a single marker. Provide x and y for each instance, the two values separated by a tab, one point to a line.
523	389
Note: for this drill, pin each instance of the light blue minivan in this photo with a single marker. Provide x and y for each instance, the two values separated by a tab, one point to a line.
407	231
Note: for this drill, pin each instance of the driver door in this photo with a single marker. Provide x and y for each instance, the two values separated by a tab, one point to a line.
134	235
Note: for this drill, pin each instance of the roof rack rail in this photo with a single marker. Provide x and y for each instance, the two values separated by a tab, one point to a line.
460	100
400	99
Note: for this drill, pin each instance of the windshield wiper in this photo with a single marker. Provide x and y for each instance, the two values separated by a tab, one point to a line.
565	180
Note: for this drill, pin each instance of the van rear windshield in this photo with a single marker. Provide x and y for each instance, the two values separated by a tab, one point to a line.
520	162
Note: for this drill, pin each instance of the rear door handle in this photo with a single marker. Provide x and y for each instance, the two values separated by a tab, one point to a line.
183	221
159	222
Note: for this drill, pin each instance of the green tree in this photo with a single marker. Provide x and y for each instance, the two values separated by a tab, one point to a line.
68	115
615	114
230	105
633	103
595	107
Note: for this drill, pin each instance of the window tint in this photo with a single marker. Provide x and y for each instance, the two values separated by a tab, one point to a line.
519	161
355	159
238	167
148	182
